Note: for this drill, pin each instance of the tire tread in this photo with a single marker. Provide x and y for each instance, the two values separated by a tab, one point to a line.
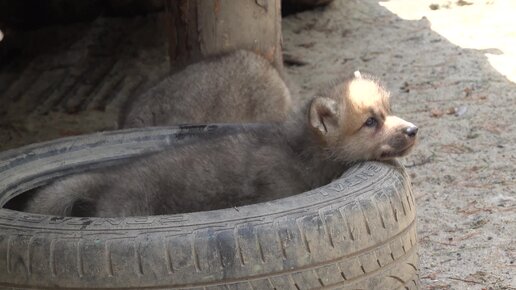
355	233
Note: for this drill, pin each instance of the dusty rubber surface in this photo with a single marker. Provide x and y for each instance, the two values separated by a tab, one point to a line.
358	232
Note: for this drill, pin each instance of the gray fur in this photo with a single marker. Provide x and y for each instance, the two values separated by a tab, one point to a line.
239	87
260	164
263	163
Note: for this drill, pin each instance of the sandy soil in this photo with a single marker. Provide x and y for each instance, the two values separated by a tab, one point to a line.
449	65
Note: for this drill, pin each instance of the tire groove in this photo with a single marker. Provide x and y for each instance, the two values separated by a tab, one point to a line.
195	256
397	279
382	220
29	256
52	258
408	201
80	266
413	266
303	236
326	229
283	250
270	282
346	221
410	194
260	249
108	259
394	211
291	279
341	272
398	194
366	222
8	255
238	247
168	257
138	257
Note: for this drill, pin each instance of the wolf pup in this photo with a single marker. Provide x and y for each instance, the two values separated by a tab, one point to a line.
239	87
350	122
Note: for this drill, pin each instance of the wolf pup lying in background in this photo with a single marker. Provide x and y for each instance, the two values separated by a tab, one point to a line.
238	87
350	122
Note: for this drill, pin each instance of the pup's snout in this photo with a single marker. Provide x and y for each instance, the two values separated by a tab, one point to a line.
411	131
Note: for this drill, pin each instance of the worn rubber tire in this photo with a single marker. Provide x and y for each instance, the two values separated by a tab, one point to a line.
357	232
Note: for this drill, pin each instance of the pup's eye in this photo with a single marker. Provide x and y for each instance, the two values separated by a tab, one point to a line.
371	122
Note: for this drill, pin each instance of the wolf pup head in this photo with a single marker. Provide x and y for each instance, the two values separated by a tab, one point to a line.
353	121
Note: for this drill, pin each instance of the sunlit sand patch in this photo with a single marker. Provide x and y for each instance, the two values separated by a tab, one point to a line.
473	24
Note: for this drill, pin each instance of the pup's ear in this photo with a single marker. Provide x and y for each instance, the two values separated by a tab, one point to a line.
324	115
357	74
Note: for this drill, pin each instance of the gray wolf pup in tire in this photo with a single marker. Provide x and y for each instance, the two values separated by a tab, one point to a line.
349	122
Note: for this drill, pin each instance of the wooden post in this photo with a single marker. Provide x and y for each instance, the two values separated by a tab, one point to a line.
201	28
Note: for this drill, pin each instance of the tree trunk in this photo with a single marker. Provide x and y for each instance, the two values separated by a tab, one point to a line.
201	28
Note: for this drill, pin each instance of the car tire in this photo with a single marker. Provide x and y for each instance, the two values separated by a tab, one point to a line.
358	232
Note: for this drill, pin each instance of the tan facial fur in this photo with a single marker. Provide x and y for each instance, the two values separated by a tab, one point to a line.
348	133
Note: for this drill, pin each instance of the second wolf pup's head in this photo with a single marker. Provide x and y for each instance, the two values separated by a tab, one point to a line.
354	122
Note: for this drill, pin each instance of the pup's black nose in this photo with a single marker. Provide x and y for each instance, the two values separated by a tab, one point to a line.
410	131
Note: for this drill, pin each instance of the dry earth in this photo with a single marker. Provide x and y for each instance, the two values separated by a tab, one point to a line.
449	64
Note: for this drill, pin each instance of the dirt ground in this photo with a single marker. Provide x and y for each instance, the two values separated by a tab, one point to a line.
451	68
